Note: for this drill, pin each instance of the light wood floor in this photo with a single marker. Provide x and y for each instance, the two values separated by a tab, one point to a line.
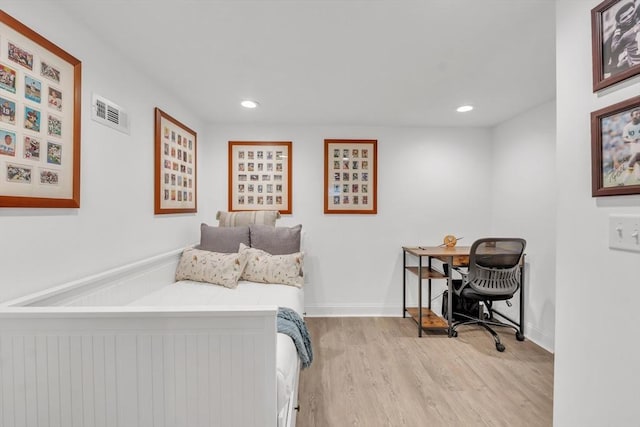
377	372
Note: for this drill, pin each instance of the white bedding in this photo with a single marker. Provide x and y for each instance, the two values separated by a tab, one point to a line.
186	292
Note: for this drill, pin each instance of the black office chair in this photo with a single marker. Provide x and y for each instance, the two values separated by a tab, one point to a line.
493	275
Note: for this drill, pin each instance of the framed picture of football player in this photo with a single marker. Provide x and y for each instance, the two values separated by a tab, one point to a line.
39	151
615	149
615	32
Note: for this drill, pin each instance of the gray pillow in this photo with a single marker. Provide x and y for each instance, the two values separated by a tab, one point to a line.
225	240
276	240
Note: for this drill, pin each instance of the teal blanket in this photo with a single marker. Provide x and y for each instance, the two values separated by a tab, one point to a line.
290	323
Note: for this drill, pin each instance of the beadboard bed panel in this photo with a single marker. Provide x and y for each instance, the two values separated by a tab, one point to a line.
76	355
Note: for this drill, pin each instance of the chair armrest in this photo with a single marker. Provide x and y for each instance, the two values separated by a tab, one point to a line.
464	271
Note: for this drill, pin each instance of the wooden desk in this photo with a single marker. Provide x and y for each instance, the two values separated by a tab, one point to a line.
425	317
452	257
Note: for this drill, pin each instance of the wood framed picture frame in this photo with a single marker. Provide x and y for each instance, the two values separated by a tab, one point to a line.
615	33
260	176
615	149
40	94
175	166
350	176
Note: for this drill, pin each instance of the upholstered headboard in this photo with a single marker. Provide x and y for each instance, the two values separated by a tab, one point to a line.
235	219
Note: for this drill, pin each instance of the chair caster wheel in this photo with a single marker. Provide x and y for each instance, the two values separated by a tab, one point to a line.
454	334
519	336
500	347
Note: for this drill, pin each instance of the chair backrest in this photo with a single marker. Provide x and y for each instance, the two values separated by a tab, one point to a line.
494	265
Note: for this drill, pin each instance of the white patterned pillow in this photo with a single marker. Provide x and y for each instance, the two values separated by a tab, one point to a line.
211	267
263	267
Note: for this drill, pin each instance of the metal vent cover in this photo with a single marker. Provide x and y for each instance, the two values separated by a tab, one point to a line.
109	114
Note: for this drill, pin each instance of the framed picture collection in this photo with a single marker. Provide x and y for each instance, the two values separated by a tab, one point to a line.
260	176
175	166
40	91
350	176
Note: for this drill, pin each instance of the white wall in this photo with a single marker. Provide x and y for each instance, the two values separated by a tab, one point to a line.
115	224
523	195
596	359
431	182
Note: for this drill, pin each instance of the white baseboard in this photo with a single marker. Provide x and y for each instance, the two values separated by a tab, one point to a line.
352	310
538	337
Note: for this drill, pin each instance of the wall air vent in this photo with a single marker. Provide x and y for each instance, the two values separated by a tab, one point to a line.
109	114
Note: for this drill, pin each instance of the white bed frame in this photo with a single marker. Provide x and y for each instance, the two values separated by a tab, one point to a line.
75	355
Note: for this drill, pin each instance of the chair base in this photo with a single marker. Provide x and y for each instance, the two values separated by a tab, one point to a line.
486	323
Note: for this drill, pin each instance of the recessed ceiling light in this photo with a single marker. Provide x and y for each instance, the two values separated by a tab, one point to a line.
247	103
464	108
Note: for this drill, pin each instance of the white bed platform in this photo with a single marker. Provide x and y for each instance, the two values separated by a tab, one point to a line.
107	351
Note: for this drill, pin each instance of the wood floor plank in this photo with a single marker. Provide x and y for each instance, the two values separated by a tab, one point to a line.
377	372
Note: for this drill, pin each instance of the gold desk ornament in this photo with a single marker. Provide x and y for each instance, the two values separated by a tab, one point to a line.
450	240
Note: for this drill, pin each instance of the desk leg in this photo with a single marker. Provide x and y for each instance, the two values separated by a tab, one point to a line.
404	284
419	296
450	296
429	288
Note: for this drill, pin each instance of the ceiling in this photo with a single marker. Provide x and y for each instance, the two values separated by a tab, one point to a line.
345	62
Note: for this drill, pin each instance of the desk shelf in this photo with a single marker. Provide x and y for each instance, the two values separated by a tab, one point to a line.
427	272
430	320
458	261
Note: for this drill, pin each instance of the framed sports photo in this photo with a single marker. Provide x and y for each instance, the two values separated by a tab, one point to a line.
350	176
40	93
615	149
175	166
615	33
260	176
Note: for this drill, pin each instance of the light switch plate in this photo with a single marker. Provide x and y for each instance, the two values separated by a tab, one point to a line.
624	232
